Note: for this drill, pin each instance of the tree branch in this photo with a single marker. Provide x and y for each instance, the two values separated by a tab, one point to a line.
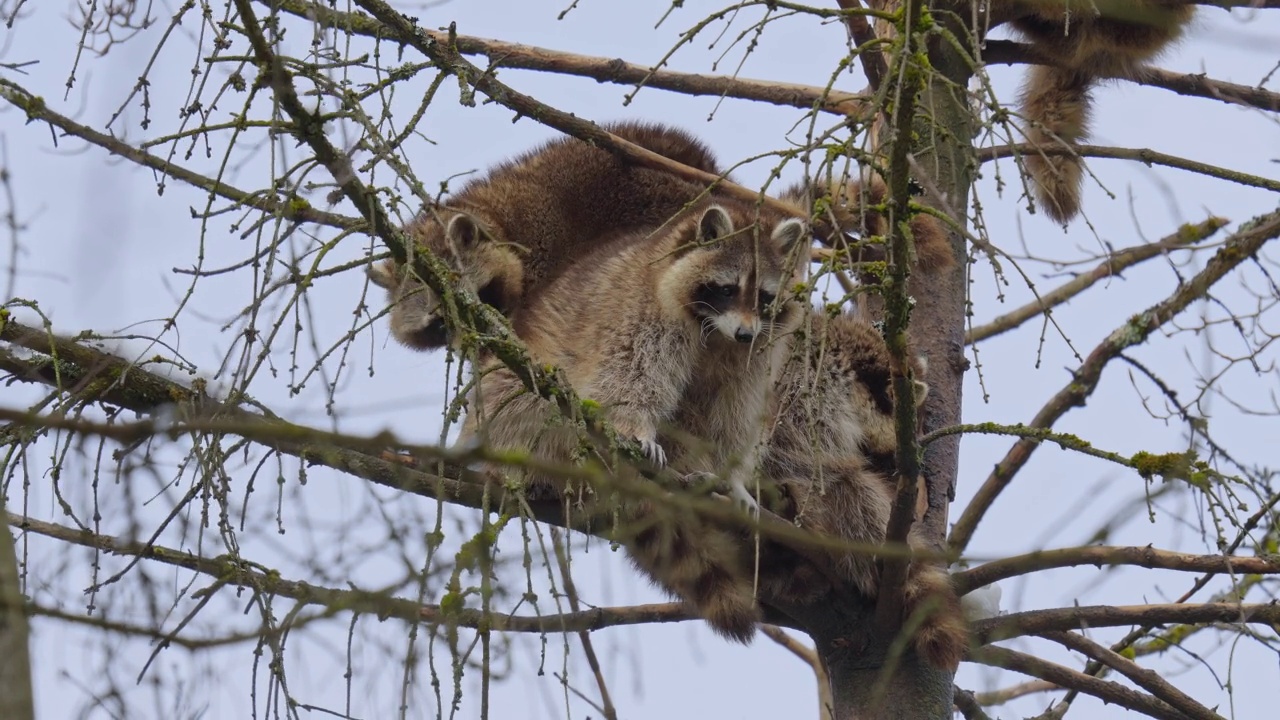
1038	622
1112	266
1107	691
503	54
250	575
1005	52
1241	246
1142	677
292	208
1099	556
1142	155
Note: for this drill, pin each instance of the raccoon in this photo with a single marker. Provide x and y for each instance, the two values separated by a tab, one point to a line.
853	206
1085	41
519	226
676	336
832	457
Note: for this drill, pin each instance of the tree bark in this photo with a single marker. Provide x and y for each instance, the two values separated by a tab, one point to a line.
943	161
16	702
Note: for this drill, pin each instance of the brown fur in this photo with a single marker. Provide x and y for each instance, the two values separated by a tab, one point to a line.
520	225
851	207
670	334
832	454
1097	39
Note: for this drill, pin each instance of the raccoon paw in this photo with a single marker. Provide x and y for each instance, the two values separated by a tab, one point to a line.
744	500
699	478
653	451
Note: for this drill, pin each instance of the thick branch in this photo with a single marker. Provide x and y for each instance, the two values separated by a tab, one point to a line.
1147	557
1110	267
1238	248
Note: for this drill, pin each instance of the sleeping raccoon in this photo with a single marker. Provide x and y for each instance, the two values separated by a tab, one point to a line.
676	336
519	226
1086	41
832	455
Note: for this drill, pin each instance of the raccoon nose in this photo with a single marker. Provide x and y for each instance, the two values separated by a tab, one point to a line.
744	335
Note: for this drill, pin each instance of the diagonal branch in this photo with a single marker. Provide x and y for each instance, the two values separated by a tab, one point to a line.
1240	247
293	208
1149	680
1105	690
1110	267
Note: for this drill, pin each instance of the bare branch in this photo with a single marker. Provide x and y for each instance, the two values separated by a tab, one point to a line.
1038	622
503	54
245	574
1142	677
1099	556
293	208
1107	691
1112	266
1142	155
1005	52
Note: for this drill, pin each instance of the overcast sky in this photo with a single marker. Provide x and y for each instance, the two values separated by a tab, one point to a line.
101	244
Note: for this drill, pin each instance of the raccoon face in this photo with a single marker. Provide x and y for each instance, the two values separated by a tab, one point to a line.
478	264
733	285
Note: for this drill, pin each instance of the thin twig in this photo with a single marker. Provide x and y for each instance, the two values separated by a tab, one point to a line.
1237	249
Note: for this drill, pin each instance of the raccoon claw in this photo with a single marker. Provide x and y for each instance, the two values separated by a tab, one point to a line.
743	499
653	451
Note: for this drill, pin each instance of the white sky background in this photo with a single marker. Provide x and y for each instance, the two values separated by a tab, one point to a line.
100	245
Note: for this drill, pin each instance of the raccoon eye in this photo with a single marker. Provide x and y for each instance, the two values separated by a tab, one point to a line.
766	298
724	291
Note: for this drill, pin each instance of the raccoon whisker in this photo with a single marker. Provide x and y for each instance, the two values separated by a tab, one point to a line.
704	332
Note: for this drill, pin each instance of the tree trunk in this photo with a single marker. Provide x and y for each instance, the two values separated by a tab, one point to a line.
944	132
16	702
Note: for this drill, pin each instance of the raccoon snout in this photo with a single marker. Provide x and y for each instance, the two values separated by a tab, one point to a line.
744	335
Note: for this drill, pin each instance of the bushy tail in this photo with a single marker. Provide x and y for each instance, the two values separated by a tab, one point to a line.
942	636
1055	104
706	566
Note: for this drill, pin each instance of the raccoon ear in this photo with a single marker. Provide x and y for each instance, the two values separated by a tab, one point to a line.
714	224
383	274
922	392
463	232
788	233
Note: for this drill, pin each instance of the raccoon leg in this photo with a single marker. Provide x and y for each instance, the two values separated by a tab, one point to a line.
942	636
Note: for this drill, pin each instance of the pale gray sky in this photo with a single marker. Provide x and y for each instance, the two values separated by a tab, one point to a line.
101	245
